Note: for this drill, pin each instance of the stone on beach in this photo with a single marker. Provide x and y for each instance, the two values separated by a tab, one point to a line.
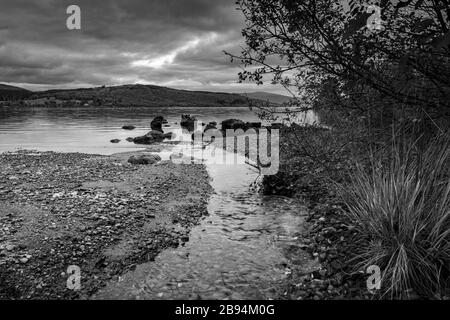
144	159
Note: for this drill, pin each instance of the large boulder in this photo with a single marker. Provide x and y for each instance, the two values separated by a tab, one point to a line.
188	122
157	123
144	159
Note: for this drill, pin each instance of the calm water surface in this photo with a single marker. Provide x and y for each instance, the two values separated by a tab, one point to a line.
89	130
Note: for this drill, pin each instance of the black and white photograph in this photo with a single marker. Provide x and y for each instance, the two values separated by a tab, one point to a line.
221	150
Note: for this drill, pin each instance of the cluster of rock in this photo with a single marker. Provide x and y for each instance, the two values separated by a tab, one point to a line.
155	135
189	122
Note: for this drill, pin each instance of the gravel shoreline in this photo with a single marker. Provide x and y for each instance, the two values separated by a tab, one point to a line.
96	212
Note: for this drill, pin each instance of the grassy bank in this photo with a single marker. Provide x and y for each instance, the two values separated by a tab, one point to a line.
389	209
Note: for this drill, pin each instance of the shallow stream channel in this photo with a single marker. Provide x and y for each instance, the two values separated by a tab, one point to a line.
244	249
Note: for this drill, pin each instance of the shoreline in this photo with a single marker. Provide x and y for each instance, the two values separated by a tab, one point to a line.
330	237
93	211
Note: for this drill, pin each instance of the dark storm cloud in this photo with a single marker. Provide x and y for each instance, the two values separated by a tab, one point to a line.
177	43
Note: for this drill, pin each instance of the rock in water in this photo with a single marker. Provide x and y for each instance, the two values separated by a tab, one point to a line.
233	124
236	124
169	135
129	139
188	122
151	137
255	125
157	123
144	159
128	127
210	125
115	140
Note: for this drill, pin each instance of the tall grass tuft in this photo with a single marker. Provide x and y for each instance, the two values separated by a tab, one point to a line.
402	207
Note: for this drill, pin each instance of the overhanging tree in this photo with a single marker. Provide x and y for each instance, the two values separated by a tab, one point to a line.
324	53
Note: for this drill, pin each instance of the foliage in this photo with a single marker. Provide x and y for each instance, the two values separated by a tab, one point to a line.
317	46
384	98
404	210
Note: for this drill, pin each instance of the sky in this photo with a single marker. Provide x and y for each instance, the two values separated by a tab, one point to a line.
173	43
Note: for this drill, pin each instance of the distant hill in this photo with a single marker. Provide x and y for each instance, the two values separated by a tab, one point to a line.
266	96
13	93
143	95
135	95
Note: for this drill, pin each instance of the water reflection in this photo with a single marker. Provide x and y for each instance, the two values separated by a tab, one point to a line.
90	130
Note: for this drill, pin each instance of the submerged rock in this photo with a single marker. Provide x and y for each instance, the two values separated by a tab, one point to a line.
144	159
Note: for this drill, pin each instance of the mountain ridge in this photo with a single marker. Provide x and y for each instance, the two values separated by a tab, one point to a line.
8	92
135	95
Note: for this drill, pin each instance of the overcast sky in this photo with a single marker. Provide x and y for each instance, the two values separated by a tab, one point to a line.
174	43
